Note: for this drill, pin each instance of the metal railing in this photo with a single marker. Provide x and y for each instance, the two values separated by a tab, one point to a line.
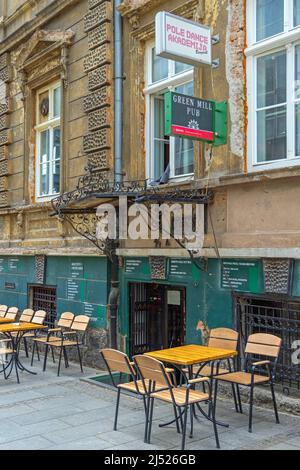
280	317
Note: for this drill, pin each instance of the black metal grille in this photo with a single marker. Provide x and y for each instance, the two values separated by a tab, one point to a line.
274	316
44	298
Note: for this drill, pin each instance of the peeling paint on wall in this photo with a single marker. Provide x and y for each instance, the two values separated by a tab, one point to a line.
235	74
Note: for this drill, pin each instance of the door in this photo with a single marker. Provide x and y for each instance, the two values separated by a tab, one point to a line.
157	317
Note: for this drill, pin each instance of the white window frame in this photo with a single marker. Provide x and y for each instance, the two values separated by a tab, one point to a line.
286	40
170	83
50	125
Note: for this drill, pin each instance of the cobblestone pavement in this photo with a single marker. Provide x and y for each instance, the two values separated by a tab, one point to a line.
50	412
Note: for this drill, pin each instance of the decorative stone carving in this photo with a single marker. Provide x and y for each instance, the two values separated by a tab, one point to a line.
40	269
43	68
99	36
4	122
97	16
95	3
4	60
4	199
97	99
99	77
99	56
99	119
4	168
6	137
3	153
277	275
158	266
5	74
97	140
134	21
3	183
20	224
98	161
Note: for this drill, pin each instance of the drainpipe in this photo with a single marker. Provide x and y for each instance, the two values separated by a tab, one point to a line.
118	129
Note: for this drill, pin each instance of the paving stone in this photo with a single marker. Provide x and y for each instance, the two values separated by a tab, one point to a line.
31	443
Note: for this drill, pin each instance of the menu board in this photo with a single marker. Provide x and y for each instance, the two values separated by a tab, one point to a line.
133	266
180	267
73	289
77	270
13	264
91	310
2	265
243	276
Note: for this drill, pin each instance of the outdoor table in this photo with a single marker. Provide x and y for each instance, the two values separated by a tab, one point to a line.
8	329
6	320
189	355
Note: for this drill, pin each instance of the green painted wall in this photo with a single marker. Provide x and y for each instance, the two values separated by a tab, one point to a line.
82	284
207	298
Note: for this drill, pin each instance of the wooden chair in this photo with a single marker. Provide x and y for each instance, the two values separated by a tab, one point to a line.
157	385
117	361
12	313
3	310
38	318
26	315
77	334
6	350
266	348
64	323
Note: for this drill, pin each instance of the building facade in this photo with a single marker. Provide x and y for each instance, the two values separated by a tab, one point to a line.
59	156
56	127
247	274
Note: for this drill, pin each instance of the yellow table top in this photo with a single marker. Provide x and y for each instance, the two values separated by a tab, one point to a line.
16	327
6	320
191	354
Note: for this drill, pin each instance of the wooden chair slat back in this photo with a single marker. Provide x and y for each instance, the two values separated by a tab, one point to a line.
223	338
12	310
151	369
66	320
3	310
27	315
11	315
39	317
263	344
80	323
116	361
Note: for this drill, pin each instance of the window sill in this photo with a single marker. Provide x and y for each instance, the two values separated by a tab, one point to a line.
177	181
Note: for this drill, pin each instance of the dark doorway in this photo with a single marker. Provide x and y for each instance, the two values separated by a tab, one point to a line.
44	298
157	317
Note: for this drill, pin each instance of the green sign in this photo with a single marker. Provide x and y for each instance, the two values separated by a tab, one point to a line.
180	267
243	276
195	118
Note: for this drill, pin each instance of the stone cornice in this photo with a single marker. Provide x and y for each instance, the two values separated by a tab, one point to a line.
37	21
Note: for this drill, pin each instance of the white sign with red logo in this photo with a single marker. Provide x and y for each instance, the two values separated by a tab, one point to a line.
182	40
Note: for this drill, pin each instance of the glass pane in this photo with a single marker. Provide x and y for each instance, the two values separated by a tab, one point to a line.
159	67
184	156
297	72
297	125
296	12
56	102
269	18
179	67
271	79
271	134
161	142
56	158
44	163
186	89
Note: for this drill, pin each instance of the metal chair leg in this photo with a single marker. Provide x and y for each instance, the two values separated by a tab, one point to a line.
192	421
25	347
239	398
234	398
215	424
184	427
53	358
150	420
117	409
45	358
274	403
32	354
147	420
251	408
59	363
16	367
79	356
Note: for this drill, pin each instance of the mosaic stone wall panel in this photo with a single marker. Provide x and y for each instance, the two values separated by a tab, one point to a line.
98	104
278	275
6	135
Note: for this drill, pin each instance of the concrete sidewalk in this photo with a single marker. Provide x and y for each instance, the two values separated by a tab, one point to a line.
50	412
